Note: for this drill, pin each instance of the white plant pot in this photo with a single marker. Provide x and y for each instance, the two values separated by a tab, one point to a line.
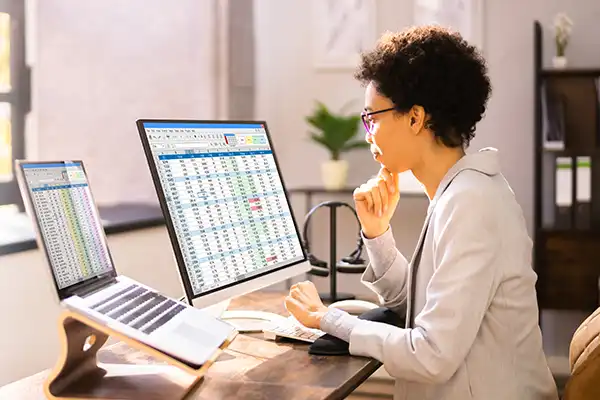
559	62
334	174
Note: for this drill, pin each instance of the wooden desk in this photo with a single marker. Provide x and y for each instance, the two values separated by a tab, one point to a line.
251	368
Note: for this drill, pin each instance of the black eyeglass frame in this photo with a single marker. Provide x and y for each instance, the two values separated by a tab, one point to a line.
364	116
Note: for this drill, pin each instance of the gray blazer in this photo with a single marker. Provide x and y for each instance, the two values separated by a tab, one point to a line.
473	330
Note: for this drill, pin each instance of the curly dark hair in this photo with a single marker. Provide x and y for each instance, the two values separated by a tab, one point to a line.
437	69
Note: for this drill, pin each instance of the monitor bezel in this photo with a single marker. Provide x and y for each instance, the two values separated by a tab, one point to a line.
24	188
167	216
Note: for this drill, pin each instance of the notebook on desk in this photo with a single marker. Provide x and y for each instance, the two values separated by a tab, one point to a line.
69	230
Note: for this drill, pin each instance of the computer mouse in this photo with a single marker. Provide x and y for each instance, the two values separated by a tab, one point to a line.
355	307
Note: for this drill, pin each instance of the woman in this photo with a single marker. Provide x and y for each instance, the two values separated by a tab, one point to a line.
472	318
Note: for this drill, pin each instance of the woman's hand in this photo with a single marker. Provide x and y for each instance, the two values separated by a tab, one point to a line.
305	304
376	201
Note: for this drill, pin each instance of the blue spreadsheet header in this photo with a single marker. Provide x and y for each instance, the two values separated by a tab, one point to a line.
54	165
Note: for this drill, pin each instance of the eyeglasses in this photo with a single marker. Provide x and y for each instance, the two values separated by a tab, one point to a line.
368	123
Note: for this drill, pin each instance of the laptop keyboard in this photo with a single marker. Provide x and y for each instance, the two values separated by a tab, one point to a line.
121	301
112	297
140	308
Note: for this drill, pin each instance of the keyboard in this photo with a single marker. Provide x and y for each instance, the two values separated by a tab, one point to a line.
140	308
292	329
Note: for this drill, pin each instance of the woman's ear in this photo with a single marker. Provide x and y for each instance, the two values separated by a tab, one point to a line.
417	118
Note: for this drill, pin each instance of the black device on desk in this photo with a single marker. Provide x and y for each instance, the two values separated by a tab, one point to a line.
328	345
353	258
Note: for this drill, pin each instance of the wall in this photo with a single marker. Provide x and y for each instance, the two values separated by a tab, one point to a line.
101	64
240	60
287	85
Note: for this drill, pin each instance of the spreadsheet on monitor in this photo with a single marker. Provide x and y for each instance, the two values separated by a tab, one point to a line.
226	200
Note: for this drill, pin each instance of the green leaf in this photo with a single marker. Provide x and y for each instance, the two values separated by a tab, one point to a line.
336	131
321	140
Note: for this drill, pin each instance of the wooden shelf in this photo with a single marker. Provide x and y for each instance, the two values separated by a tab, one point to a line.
565	259
571	271
589	152
571	72
573	233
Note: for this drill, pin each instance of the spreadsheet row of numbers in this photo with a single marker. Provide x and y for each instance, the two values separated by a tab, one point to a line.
73	242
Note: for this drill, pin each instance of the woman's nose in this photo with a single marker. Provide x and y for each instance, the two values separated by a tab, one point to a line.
369	138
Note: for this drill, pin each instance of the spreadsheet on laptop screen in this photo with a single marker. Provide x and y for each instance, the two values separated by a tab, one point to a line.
69	227
226	200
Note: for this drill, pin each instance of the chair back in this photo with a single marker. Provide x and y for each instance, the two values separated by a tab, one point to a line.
584	361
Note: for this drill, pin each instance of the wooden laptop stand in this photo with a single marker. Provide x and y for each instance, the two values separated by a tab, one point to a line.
77	374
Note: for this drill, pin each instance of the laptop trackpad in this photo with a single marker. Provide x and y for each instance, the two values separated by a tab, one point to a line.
196	335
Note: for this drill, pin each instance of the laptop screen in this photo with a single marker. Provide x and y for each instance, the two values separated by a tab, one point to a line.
68	222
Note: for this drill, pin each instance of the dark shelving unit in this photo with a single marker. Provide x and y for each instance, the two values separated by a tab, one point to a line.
566	258
572	72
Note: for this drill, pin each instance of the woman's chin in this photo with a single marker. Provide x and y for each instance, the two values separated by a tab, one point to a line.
392	168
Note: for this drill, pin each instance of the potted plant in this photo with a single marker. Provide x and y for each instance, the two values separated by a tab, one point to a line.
338	134
562	34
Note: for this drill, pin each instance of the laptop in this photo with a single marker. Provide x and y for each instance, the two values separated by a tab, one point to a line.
58	198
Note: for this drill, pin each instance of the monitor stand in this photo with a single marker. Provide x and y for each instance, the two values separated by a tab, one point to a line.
245	321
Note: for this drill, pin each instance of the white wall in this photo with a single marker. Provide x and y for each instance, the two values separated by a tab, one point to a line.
101	64
287	85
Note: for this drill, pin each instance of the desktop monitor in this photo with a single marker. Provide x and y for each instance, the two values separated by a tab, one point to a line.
225	205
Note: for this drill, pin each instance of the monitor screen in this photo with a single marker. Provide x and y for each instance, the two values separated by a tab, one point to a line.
225	199
68	222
